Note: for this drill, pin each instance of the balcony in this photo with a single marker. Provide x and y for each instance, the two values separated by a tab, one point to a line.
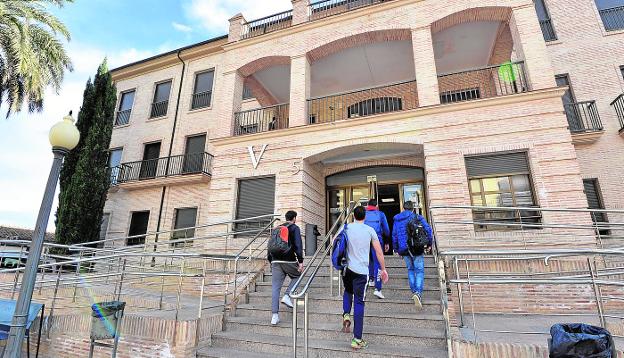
613	18
263	119
584	121
187	168
548	30
159	109
266	24
362	103
485	82
123	117
618	104
325	8
201	100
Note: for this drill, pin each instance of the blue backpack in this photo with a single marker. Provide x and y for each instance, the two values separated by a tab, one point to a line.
339	250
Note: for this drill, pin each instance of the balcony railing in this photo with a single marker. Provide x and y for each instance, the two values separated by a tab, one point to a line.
548	30
613	18
618	104
123	117
325	8
361	103
201	100
492	81
192	163
583	117
261	119
159	109
267	24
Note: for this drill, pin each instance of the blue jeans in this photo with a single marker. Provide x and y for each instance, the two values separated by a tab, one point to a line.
373	271
415	272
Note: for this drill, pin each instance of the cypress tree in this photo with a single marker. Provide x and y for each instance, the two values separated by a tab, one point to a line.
85	177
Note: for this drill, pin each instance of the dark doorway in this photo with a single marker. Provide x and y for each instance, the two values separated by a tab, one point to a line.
389	201
149	166
138	226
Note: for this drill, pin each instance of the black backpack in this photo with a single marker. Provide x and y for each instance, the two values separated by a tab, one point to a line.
417	238
279	245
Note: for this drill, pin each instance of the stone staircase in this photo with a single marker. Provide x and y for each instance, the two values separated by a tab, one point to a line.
393	327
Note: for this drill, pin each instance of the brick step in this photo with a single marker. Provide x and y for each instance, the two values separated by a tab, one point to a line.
389	304
429	337
413	318
338	348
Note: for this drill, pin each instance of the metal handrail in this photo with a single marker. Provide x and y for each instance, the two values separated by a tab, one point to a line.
526	208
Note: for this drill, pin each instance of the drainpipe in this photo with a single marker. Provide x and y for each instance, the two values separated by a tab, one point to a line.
173	130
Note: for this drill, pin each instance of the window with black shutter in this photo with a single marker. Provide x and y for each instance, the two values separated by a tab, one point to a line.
256	197
499	181
594	199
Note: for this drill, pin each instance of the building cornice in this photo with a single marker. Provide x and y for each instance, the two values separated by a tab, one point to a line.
555	92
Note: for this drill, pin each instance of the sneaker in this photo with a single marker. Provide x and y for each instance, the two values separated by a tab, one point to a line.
379	295
371	283
287	302
346	323
417	301
358	343
275	319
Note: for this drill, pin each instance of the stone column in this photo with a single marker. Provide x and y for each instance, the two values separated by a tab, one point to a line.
530	46
236	27
230	102
300	11
425	66
299	90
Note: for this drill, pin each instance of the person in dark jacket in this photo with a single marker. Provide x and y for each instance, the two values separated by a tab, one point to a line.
415	264
377	220
290	265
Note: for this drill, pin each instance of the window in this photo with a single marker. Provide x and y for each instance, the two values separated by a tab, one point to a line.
114	163
184	218
138	228
460	96
125	108
544	19
247	94
202	93
194	154
150	163
611	13
103	229
375	106
594	199
256	197
161	100
499	181
622	71
569	104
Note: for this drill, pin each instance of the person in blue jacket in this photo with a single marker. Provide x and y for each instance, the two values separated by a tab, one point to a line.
415	264
377	220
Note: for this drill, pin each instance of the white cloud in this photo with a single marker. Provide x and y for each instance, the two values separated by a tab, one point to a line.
213	15
181	27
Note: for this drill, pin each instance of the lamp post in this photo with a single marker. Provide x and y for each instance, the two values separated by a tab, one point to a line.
63	137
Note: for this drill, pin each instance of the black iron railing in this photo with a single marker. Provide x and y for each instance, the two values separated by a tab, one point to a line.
492	81
583	117
201	100
548	30
267	24
618	104
325	8
613	18
361	103
159	109
123	117
261	119
192	163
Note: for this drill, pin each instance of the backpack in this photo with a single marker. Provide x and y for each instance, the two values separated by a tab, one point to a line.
278	245
417	238
339	250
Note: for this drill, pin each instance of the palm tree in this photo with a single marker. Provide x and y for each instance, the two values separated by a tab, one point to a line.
32	55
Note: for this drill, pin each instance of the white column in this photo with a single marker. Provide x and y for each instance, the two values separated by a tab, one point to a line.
300	11
425	66
230	102
299	90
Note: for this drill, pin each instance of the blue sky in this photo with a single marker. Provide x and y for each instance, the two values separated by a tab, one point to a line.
124	31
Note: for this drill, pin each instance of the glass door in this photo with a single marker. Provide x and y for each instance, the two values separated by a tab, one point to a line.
336	204
415	194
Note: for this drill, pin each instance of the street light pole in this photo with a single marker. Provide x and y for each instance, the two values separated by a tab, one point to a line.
63	136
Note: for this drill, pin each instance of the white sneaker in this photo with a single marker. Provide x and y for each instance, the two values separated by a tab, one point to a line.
286	301
379	295
275	319
371	283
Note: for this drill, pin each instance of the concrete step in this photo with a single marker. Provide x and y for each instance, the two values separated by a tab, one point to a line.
422	337
338	348
431	284
430	293
393	272
212	352
333	313
389	304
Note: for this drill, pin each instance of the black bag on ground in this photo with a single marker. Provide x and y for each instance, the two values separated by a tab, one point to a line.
416	237
578	340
